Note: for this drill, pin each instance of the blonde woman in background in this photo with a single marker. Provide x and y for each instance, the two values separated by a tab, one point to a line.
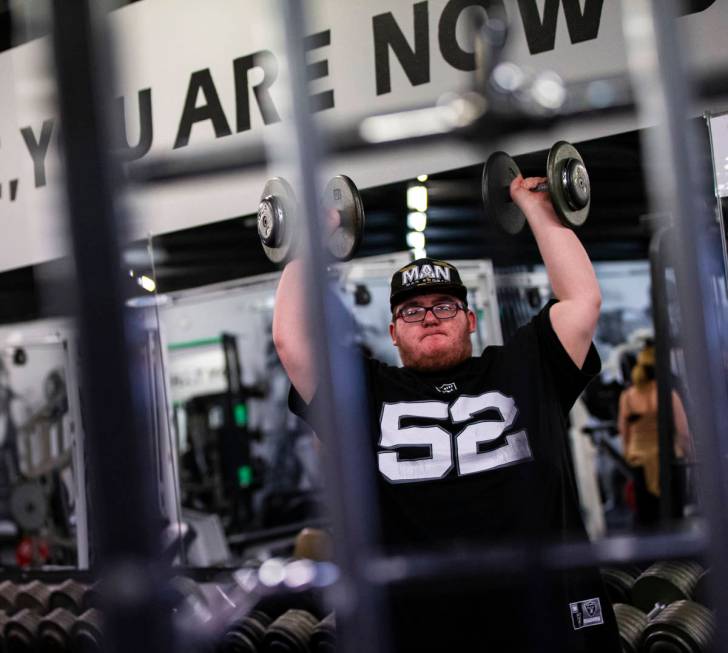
638	427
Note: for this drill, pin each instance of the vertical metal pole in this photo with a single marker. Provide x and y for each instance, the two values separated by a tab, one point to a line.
78	452
659	253
674	168
124	513
342	418
720	218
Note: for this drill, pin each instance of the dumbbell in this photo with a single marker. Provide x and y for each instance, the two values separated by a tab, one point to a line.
21	631
681	627
664	583
246	634
619	583
568	185
323	637
55	631
291	632
70	595
34	596
8	594
631	623
86	632
279	219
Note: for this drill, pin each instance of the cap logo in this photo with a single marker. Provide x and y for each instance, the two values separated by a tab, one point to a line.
425	271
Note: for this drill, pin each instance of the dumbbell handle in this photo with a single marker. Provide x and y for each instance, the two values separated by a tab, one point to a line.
540	188
659	607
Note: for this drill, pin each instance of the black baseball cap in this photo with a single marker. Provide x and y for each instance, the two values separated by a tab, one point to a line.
423	276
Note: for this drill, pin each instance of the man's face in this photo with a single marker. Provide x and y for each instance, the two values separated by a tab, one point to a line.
433	344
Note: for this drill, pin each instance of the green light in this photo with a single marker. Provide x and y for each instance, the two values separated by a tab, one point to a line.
245	475
241	414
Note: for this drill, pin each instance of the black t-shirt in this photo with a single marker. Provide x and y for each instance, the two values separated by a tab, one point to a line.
478	453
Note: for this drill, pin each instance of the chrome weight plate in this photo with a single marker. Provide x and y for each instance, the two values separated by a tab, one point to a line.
342	194
277	220
498	173
569	184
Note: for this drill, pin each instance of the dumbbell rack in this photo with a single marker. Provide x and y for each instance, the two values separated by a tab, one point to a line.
126	545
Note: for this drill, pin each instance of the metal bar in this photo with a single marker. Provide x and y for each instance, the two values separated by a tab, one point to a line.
720	217
659	253
124	517
517	558
353	507
675	170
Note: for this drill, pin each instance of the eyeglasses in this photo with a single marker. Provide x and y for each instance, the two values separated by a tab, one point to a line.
443	311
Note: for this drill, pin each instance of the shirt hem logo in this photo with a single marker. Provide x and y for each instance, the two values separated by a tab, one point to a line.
586	613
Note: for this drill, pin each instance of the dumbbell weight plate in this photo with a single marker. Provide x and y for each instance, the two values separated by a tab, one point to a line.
568	184
498	173
28	505
342	194
665	582
277	219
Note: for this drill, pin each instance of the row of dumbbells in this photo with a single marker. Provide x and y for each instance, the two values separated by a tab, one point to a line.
38	616
662	608
295	631
65	617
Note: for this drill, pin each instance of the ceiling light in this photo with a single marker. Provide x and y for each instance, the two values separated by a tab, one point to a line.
416	240
417	221
417	198
148	284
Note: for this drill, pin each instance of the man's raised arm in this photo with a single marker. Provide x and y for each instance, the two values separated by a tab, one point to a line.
292	335
574	318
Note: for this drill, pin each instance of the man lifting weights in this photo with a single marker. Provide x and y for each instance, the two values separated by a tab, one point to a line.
473	449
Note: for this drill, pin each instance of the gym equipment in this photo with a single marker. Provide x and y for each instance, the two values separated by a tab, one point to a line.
290	632
632	623
246	634
86	632
29	506
568	185
278	221
8	594
342	194
91	598
619	583
21	631
323	637
277	208
701	593
69	595
682	627
4	618
54	631
664	583
34	596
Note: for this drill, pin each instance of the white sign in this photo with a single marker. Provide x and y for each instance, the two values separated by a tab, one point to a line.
196	371
199	76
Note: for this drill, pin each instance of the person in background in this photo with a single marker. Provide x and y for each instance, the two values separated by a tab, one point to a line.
638	427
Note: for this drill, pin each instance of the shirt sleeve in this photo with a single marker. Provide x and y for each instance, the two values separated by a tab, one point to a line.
561	373
308	412
569	379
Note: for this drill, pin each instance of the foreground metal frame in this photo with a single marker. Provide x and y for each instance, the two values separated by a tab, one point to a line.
126	541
